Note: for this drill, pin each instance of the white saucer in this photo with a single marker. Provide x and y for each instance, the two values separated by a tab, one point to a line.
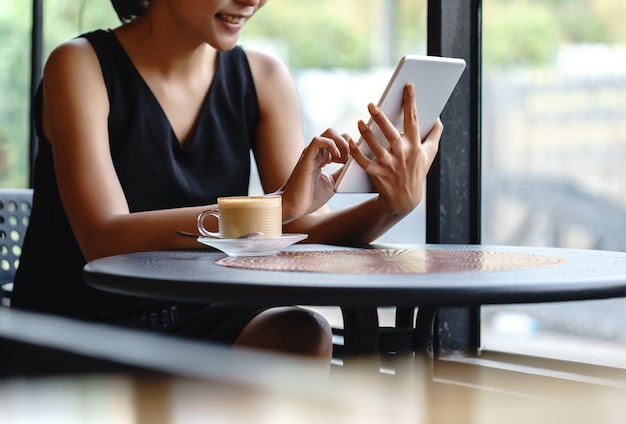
262	246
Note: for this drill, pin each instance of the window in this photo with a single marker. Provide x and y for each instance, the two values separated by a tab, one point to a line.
554	143
15	17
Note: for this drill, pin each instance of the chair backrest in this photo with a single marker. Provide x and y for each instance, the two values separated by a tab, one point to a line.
15	205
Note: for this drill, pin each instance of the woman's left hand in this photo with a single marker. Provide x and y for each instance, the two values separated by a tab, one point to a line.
309	187
399	172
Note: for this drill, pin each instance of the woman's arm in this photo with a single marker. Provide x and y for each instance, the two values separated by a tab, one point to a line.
75	113
398	172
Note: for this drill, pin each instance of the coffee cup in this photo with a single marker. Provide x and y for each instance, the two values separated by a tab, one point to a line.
245	216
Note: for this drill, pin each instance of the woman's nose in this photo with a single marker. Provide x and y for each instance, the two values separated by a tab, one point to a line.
253	3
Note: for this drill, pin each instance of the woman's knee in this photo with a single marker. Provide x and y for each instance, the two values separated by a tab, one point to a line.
291	330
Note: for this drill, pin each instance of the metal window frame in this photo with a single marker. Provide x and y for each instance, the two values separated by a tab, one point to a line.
453	198
36	66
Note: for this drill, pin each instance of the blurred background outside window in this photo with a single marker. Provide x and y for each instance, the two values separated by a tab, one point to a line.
554	149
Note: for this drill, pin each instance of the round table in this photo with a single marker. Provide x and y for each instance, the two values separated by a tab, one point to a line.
550	274
361	279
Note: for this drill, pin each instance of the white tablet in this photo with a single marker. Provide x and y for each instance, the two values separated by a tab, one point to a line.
434	79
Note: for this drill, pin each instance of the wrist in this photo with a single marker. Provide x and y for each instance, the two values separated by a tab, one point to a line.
386	208
289	211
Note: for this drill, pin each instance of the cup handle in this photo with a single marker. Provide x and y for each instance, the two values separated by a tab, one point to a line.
204	231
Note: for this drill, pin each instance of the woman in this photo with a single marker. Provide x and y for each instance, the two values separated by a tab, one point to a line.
142	127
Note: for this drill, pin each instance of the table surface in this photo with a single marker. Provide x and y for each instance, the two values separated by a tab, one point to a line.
449	275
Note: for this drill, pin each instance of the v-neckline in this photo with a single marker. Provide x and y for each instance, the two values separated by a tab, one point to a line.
191	139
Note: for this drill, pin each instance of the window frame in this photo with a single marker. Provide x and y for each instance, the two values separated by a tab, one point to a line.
454	183
36	71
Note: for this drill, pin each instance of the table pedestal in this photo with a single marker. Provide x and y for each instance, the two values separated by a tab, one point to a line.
410	342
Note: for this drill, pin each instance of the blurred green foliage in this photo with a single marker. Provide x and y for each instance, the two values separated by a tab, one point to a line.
319	33
313	36
506	43
62	20
14	77
340	33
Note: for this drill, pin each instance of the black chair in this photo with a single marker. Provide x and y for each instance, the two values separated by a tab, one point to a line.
15	206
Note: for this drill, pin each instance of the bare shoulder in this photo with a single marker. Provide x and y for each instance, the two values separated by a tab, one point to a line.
274	85
267	68
73	89
279	133
71	56
73	71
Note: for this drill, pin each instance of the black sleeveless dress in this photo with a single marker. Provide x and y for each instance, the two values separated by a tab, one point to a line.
156	172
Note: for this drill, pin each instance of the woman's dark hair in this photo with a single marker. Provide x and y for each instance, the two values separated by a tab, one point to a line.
127	10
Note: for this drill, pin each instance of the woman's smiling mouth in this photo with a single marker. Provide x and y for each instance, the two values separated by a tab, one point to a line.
229	18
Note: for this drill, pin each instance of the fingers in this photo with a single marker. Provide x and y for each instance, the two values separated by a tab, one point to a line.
370	138
390	133
411	121
344	147
430	145
358	155
330	146
388	130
